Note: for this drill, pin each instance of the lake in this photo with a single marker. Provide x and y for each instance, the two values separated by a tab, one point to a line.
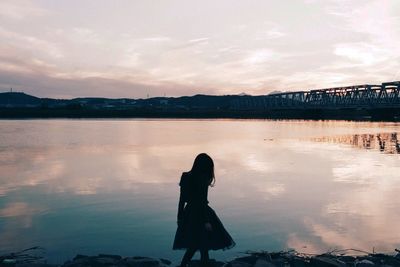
111	186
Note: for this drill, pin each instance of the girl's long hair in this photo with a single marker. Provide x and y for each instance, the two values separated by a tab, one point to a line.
203	167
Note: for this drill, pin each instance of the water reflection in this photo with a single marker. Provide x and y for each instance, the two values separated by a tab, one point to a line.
384	142
111	186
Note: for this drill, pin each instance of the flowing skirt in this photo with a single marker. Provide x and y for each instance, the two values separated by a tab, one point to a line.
191	232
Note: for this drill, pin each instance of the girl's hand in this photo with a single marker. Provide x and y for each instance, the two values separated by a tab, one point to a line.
208	227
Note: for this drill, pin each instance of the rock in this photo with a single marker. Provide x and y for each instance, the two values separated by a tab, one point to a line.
194	263
279	262
102	260
8	262
67	263
325	261
142	262
106	261
235	263
298	262
392	262
212	263
349	260
115	257
247	259
215	263
263	263
36	265
80	260
165	261
79	257
364	263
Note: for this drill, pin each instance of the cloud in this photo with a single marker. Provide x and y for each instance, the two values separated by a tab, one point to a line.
28	44
17	209
20	9
198	40
22	214
379	28
272	34
86	35
49	85
270	31
157	39
131	59
260	56
324	44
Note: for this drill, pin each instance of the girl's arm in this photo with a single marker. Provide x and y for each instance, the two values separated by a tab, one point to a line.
181	205
182	198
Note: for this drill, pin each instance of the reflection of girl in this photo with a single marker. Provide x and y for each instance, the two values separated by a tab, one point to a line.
199	228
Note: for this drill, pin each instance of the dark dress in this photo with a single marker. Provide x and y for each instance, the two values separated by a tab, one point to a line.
191	232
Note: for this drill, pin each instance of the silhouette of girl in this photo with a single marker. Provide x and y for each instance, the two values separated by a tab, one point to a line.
199	227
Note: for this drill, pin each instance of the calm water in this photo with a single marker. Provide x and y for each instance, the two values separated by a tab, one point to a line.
93	186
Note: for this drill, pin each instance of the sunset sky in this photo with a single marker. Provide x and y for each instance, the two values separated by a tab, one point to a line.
130	48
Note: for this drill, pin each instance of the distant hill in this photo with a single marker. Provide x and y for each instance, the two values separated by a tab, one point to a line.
277	106
18	99
275	92
196	101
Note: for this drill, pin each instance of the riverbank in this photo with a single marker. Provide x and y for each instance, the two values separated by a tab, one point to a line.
382	114
338	258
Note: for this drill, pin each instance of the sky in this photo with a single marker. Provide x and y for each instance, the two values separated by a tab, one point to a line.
130	48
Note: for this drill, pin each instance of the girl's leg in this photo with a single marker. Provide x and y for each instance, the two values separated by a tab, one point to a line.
187	257
204	258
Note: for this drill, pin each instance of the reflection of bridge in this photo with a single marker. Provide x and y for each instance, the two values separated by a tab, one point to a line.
386	95
384	142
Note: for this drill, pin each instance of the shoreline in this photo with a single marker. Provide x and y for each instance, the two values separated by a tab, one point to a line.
291	258
352	114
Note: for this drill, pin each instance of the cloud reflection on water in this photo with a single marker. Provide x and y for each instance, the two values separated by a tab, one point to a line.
362	210
276	187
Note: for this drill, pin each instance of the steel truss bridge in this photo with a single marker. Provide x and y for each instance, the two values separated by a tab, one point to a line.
386	95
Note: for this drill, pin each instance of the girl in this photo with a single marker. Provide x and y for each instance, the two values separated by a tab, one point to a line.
199	228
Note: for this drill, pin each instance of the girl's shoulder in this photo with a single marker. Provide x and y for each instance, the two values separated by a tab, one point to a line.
184	179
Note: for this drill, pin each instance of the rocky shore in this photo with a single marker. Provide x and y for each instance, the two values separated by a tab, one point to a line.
252	259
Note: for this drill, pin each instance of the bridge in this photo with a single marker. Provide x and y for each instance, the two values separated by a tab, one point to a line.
386	95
